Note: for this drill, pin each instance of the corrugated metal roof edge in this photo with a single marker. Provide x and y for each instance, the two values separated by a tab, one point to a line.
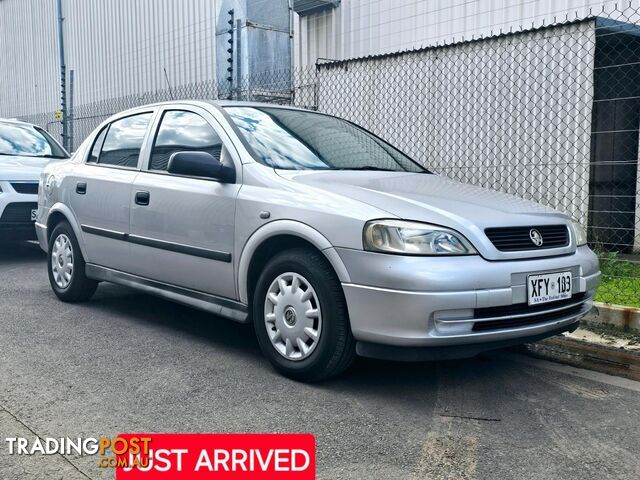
327	63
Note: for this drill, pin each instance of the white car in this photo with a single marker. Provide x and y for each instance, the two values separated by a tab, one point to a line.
25	150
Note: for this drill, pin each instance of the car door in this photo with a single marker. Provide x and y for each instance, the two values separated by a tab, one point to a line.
100	190
182	228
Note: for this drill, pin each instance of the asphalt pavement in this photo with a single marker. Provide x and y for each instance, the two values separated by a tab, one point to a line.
127	362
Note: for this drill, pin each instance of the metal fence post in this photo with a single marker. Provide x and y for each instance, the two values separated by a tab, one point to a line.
292	62
230	53
238	62
71	116
63	79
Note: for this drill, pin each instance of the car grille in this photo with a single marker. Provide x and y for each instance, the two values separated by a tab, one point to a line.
17	213
513	239
521	314
29	188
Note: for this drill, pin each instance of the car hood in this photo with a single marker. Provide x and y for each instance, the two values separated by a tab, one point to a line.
15	167
433	199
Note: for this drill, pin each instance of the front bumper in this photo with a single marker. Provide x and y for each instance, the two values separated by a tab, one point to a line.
420	354
15	221
443	302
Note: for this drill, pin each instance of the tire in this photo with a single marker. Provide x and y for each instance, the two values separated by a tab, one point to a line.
75	286
333	349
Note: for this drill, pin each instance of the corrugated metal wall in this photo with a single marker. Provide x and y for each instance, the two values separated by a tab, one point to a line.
358	28
28	57
115	47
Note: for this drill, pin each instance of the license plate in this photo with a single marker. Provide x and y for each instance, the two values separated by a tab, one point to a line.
34	215
548	287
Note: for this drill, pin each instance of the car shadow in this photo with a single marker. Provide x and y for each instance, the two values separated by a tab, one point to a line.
133	306
14	252
129	306
382	377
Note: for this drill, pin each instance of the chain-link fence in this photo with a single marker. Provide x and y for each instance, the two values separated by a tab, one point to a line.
550	113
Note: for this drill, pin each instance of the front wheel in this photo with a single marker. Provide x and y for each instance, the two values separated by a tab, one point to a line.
66	266
300	317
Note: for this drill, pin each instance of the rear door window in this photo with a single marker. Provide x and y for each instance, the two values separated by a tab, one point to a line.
123	141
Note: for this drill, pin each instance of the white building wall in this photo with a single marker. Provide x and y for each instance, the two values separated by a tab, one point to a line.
358	28
116	47
469	111
28	57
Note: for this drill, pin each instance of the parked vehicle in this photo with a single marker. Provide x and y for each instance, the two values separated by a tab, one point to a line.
327	238
24	151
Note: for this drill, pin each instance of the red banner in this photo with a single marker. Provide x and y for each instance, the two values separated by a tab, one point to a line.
220	457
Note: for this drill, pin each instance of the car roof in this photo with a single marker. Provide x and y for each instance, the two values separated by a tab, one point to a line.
235	103
15	121
215	103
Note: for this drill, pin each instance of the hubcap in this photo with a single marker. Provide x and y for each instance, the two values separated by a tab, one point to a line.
292	316
62	261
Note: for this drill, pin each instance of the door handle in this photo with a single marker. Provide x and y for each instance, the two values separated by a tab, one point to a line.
142	198
81	188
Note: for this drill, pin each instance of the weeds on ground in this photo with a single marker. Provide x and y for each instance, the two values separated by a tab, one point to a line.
620	280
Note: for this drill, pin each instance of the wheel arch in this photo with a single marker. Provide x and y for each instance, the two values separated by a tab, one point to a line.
278	236
60	212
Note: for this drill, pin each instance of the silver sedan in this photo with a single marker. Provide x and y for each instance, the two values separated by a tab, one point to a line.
330	240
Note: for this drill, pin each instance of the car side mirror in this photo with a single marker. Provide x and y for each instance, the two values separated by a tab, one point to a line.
200	164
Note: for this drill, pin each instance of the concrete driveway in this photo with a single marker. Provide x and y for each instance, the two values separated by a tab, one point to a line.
130	362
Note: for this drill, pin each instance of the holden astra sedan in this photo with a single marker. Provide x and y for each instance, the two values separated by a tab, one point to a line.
328	239
24	151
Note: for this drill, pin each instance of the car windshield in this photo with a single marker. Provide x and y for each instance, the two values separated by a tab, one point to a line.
298	140
24	140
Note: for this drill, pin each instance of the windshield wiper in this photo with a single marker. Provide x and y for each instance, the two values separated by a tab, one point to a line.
378	169
31	156
367	167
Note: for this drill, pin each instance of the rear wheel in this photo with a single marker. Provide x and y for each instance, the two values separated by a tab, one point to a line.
66	267
300	317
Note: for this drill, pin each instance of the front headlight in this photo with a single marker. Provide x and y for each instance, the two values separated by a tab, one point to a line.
413	238
581	235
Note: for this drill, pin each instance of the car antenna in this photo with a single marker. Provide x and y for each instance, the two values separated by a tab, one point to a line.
166	77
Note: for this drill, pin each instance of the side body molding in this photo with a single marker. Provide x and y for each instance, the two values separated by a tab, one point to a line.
286	227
